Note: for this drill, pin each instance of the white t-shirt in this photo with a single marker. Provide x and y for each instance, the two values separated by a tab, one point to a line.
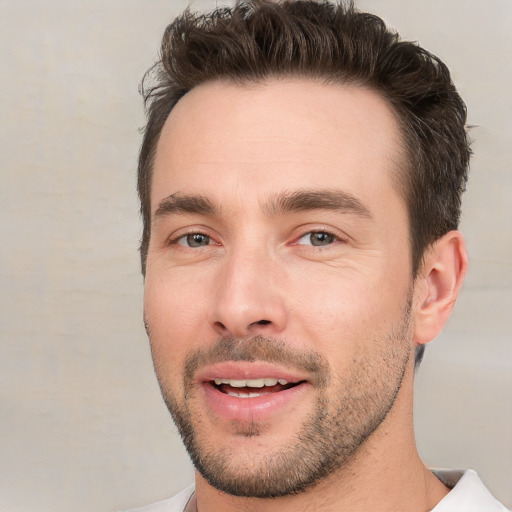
175	504
468	494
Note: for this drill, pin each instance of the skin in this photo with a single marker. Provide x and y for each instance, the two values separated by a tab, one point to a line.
352	301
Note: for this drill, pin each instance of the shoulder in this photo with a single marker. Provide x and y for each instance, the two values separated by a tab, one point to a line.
175	504
468	493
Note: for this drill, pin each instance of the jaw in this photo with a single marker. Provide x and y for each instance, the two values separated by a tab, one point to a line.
359	481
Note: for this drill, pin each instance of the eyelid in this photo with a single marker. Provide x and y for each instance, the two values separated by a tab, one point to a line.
185	242
306	230
178	235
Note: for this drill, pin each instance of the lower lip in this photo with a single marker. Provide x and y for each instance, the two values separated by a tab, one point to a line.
253	409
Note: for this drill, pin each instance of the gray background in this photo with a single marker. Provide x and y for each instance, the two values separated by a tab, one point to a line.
82	424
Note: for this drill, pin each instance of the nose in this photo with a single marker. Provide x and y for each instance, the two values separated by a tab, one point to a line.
249	295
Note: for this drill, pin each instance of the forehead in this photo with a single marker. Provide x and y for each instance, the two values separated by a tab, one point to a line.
261	137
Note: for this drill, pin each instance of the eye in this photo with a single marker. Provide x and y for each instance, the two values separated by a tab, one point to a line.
317	238
194	240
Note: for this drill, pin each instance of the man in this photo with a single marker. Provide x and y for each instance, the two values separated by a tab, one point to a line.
300	181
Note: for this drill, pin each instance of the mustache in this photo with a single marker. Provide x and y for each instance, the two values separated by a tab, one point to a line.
259	348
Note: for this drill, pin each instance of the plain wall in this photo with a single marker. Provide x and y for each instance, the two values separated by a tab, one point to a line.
82	424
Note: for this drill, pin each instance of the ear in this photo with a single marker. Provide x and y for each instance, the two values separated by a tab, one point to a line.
438	284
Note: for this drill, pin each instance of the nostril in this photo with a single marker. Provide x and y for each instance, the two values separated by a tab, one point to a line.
263	322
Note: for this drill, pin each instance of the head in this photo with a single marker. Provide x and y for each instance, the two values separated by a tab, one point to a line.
232	148
332	43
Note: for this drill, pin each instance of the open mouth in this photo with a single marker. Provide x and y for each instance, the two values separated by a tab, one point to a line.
252	388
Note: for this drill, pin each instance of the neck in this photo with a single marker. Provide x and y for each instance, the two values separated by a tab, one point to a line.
385	475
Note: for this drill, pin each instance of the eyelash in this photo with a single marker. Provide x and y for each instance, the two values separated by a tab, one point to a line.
311	232
176	241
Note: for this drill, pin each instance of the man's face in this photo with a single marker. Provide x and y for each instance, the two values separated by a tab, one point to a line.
278	289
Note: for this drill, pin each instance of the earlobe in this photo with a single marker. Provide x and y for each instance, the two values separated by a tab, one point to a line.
438	285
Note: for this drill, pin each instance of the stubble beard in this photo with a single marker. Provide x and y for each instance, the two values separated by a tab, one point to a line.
329	438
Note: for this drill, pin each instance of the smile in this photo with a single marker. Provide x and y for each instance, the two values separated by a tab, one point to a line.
251	391
251	388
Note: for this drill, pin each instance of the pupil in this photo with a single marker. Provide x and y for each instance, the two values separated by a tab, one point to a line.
322	239
197	240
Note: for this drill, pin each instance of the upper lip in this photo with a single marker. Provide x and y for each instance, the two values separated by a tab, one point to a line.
243	370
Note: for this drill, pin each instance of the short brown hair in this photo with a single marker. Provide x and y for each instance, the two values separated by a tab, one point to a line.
334	43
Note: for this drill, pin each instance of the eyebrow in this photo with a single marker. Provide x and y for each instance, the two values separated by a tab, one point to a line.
182	203
306	200
281	204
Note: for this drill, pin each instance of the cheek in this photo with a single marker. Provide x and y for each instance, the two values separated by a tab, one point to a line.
173	313
173	299
346	311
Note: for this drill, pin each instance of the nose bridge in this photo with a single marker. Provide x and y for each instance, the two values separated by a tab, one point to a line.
248	297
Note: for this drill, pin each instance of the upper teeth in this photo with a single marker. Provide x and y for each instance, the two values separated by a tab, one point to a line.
250	383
